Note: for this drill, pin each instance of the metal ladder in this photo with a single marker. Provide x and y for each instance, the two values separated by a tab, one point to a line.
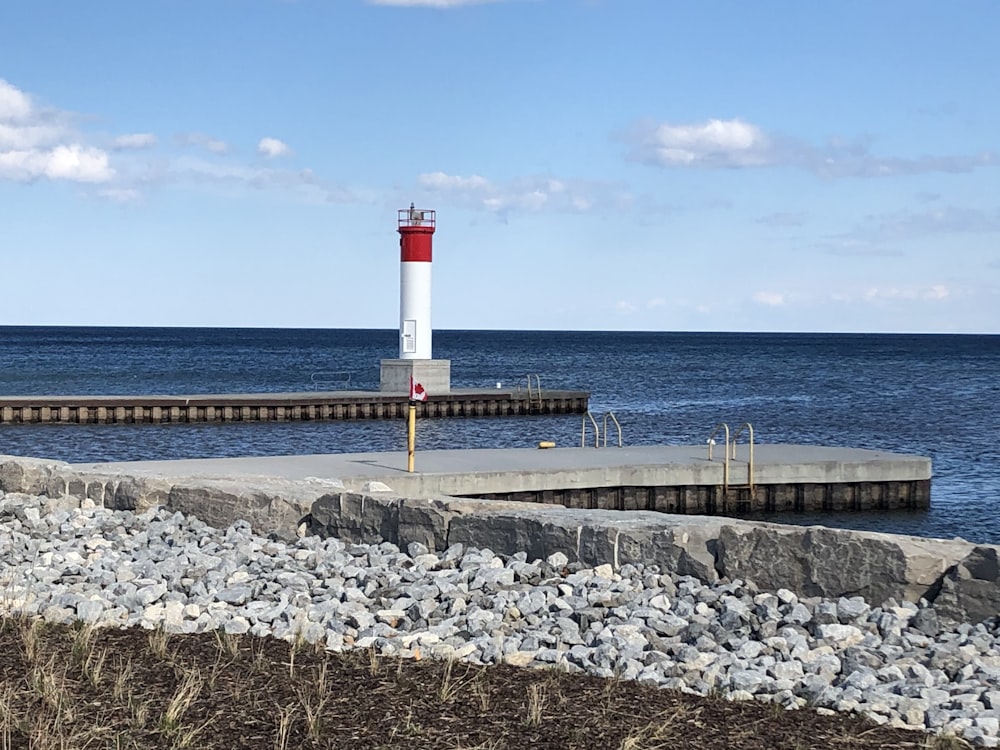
535	393
729	451
598	432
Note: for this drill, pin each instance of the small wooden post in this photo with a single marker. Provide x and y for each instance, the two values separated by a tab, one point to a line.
411	436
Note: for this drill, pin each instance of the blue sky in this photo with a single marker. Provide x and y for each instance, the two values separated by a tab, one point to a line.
626	165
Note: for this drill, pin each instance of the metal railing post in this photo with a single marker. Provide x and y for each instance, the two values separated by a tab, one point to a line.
611	415
583	432
749	430
725	452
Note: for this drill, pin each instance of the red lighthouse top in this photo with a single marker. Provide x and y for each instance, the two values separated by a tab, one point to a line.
416	230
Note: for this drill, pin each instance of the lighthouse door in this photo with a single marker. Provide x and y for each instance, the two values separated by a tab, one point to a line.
409	334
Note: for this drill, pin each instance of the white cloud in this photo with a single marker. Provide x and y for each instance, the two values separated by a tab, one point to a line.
737	144
16	136
73	162
902	226
15	105
625	307
120	195
36	143
933	292
442	181
731	143
41	143
889	234
771	299
529	194
135	140
201	140
783	219
937	291
302	182
272	147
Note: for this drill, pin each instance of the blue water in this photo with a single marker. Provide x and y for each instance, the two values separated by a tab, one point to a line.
934	395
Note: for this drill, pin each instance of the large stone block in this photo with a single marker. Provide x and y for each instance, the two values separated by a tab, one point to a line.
686	548
28	475
970	590
356	517
138	494
428	520
269	507
814	561
128	495
537	532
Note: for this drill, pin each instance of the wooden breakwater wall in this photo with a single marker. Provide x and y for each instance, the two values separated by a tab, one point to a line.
712	500
282	407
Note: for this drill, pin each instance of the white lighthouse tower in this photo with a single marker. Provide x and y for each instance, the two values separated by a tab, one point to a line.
416	236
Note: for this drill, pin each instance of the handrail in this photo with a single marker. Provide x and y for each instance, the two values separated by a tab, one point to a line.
749	430
614	419
538	388
711	438
339	377
583	432
725	452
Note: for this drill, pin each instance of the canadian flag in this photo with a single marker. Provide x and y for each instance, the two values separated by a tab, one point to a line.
417	392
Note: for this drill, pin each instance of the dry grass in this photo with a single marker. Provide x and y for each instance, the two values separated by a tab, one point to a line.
76	687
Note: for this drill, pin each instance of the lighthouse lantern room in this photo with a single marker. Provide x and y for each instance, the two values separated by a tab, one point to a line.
416	236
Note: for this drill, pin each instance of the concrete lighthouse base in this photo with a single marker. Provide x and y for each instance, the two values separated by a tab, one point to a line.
433	374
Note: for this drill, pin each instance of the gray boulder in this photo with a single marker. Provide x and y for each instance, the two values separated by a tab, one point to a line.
970	590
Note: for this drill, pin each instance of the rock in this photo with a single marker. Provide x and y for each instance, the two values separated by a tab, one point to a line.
604	571
90	610
872	565
799	614
557	560
234	595
970	590
786	670
149	594
841	636
849	610
58	615
685	546
520	658
747	680
236	626
926	621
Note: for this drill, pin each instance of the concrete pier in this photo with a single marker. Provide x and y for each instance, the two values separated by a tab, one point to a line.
667	479
284	407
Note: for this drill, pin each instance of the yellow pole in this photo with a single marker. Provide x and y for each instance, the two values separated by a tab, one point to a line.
411	436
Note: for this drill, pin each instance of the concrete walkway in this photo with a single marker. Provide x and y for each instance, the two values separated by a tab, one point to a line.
470	471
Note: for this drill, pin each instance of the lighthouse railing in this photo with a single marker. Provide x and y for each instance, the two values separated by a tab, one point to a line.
417	217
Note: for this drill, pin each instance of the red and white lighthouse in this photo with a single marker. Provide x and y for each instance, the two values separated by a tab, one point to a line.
416	238
415	364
